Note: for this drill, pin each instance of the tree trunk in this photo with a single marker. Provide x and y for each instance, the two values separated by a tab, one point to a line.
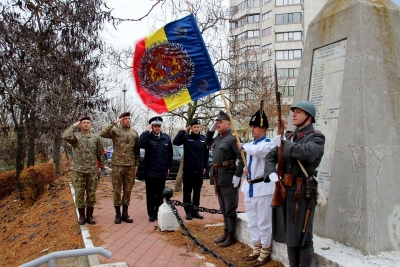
179	176
31	140
20	155
57	150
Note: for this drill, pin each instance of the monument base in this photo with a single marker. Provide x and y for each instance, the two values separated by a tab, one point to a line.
327	252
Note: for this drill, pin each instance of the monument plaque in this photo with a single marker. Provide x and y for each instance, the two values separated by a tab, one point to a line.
325	90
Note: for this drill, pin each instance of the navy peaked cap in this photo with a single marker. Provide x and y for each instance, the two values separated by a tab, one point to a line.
156	120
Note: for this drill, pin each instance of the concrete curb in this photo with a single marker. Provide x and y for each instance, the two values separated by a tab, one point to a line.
93	260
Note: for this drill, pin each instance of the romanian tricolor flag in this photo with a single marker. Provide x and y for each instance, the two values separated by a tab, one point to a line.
171	66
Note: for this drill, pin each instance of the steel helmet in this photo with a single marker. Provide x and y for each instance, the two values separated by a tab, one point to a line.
308	107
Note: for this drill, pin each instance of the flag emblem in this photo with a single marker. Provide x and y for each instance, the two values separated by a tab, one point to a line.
172	67
165	69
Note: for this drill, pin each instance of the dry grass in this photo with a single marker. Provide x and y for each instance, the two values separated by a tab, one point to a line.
206	235
31	232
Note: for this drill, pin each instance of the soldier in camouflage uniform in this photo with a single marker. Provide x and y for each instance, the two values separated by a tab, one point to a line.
125	162
87	149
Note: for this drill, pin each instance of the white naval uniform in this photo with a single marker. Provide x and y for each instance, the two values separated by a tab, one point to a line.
258	196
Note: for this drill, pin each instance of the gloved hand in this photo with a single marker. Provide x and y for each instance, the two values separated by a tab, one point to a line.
235	181
213	127
277	140
273	177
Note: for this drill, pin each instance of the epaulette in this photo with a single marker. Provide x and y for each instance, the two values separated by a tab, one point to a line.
233	134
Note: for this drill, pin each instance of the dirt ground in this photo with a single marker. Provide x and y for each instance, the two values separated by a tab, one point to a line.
27	233
51	225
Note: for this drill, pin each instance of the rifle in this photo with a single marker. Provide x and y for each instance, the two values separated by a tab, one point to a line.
280	192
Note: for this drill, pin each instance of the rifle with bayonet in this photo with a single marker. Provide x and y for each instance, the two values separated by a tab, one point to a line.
280	192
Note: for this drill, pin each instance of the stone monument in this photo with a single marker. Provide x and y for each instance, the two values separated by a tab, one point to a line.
351	71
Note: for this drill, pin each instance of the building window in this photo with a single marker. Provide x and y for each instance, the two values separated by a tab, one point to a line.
287	2
249	34
233	24
288	18
288	73
253	18
288	36
267	31
266	64
253	3
252	65
267	48
253	49
266	2
266	16
251	96
286	90
288	54
253	34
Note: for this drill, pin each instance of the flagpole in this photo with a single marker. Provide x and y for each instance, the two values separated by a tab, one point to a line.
233	127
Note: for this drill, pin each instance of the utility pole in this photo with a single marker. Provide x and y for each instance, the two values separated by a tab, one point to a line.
124	90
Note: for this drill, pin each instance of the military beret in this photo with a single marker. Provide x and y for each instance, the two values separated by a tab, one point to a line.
255	120
84	118
194	122
156	120
222	116
125	114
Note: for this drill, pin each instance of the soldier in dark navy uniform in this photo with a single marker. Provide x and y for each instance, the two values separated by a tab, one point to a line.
290	223
195	164
226	174
157	164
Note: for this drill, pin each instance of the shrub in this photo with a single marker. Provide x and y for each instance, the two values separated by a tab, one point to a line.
8	182
35	179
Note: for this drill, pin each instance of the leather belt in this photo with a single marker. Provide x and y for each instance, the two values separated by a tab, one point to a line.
258	180
221	166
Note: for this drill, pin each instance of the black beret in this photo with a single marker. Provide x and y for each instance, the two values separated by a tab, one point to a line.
194	122
125	114
255	120
222	116
85	118
156	120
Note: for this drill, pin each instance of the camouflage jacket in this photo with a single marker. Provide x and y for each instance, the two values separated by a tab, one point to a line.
126	151
87	149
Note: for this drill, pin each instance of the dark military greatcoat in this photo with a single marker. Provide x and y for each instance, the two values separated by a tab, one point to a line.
308	147
224	149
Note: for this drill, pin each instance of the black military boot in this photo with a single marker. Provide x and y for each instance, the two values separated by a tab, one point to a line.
81	216
89	215
196	214
117	215
125	216
230	240
222	238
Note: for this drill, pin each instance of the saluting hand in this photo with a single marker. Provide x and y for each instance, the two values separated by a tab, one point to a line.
187	129
149	128
76	124
118	120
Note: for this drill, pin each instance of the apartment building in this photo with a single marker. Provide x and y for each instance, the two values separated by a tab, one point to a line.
263	32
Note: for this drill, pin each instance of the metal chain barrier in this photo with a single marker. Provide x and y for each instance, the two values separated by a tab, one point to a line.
202	247
202	209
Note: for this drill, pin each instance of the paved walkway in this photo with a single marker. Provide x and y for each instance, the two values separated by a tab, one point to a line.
140	243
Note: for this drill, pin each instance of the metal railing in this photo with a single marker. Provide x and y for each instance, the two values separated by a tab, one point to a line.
50	258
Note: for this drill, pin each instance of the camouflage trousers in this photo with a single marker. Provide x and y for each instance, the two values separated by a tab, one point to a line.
122	177
84	183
